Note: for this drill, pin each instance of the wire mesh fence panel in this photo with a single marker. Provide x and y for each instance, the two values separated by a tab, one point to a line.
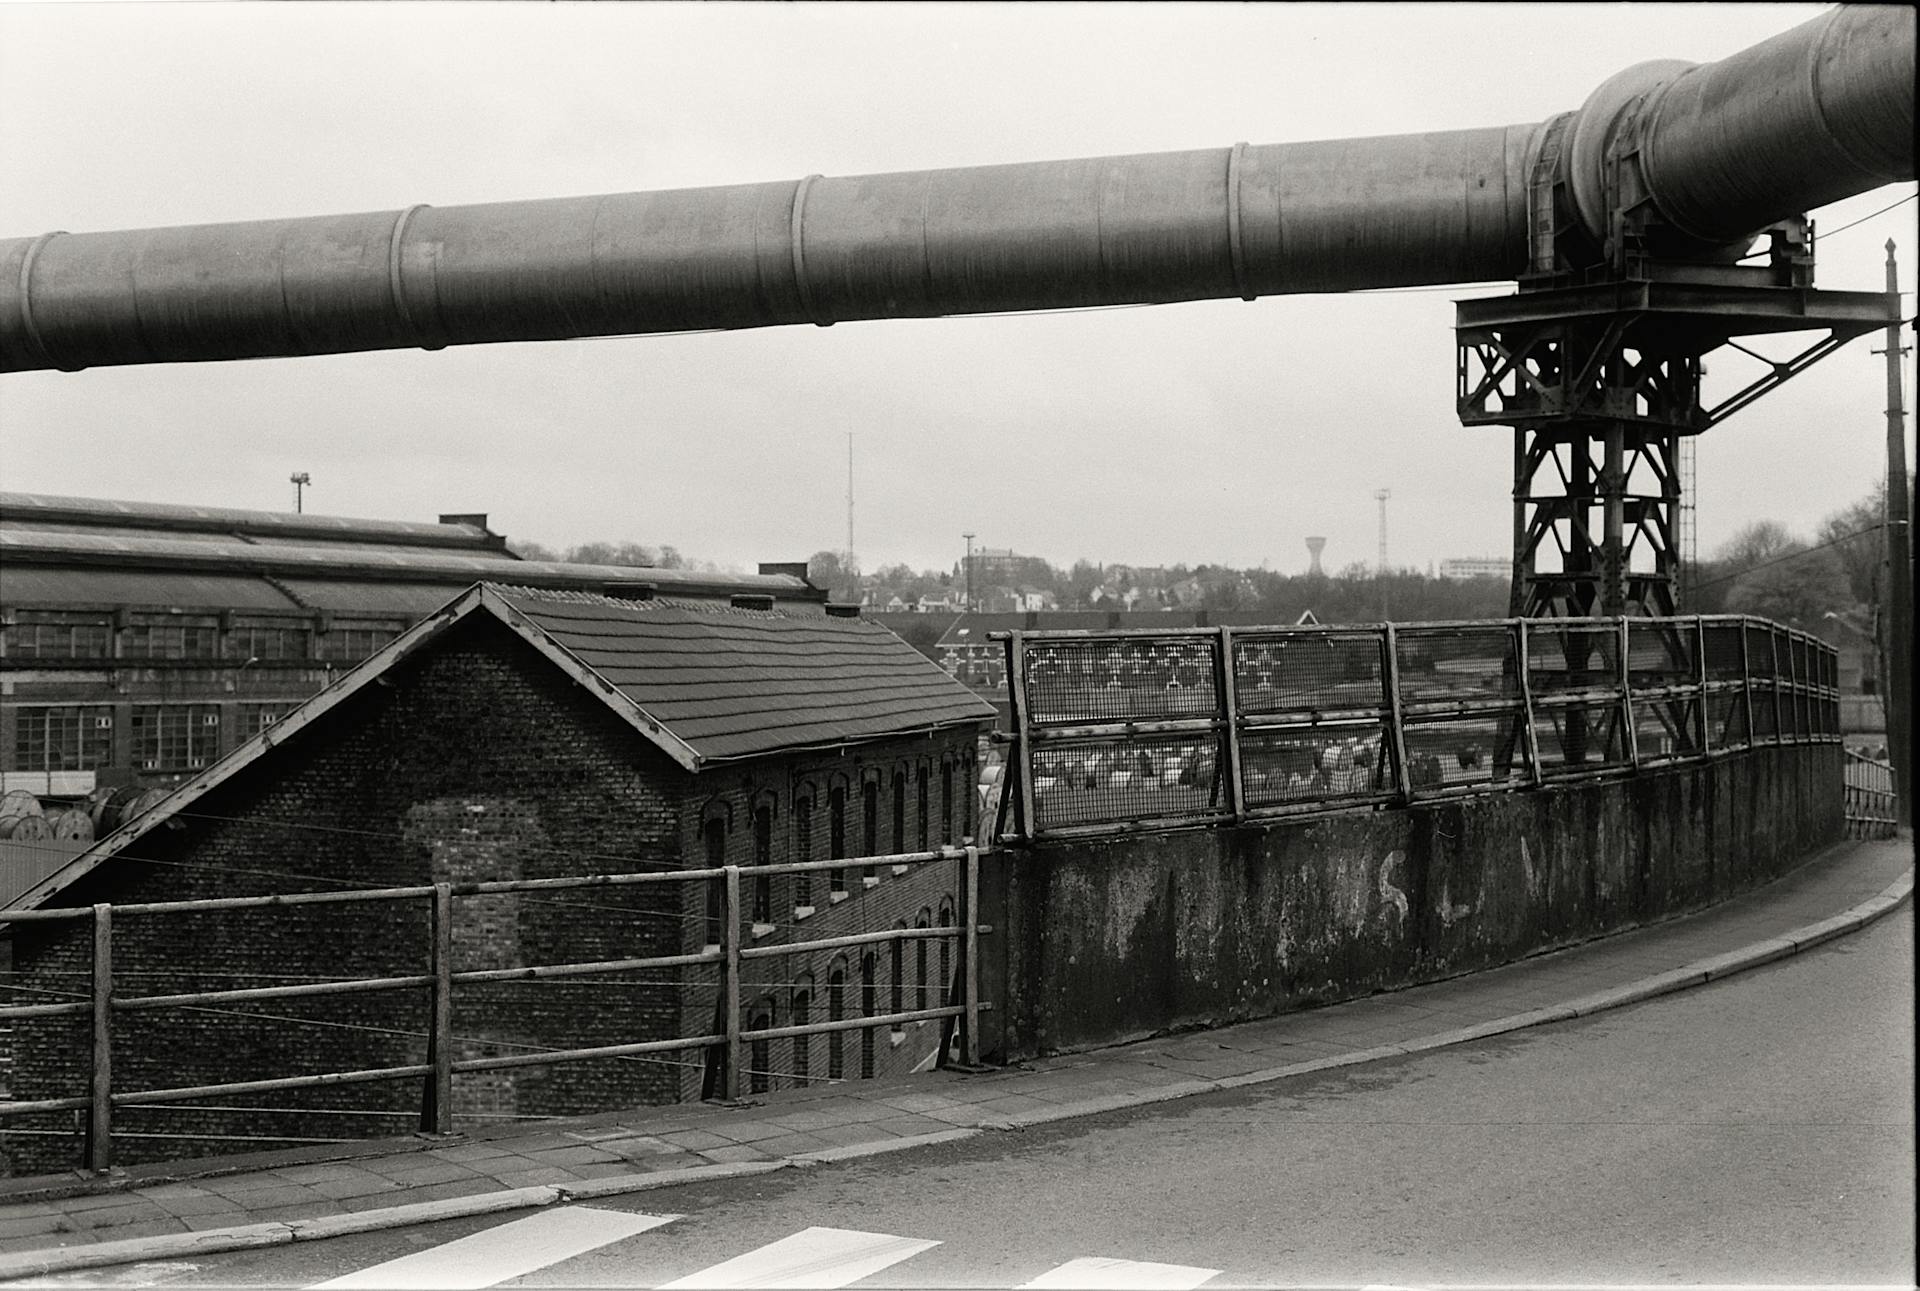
1759	639
1566	657
1455	753
1724	660
1727	719
1665	728
1285	768
1303	672
1580	738
1092	679
1119	779
1457	664
1662	652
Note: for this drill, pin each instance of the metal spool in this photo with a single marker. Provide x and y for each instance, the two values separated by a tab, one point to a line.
72	825
26	829
122	805
17	803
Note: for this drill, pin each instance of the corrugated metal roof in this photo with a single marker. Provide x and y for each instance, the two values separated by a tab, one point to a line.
295	559
373	599
43	588
740	683
134	517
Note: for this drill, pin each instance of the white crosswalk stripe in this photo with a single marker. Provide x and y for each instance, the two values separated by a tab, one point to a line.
812	1257
509	1251
1097	1273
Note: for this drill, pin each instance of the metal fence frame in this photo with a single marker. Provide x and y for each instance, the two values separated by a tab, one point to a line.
1872	797
436	1111
1643	691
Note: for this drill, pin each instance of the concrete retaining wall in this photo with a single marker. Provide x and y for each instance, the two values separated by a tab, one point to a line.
1099	942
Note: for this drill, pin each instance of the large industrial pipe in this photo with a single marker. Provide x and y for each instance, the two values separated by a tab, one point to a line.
1815	114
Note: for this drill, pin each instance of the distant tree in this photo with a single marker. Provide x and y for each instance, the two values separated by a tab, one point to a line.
526	549
1079	584
1796	587
838	573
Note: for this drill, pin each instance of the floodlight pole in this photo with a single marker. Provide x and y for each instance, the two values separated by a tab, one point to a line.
1899	619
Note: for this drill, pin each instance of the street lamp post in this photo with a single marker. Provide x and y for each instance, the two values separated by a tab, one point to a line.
299	480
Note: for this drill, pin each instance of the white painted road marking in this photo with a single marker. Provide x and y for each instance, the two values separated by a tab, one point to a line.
511	1250
812	1257
1099	1274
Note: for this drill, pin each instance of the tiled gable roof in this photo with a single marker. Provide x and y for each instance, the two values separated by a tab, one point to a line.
737	683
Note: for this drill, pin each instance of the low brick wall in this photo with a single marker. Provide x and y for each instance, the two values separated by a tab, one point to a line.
1106	941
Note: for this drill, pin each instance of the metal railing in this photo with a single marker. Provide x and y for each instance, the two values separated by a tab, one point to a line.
103	1004
1148	729
1873	808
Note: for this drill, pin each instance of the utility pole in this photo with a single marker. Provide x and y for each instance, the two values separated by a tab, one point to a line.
299	480
849	497
1380	570
1899	619
969	571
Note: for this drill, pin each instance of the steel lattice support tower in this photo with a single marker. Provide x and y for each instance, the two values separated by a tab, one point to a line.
1597	362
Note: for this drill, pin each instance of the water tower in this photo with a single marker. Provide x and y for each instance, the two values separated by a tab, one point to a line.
1314	547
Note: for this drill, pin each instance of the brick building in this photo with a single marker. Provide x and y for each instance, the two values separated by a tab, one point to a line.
518	734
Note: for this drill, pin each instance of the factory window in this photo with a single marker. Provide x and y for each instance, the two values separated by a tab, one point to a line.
50	634
170	638
76	738
763	855
869	1006
836	1011
946	802
802	1016
897	972
870	820
946	950
837	837
261	641
922	992
715	833
759	1057
175	737
255	718
921	800
899	811
803	848
350	644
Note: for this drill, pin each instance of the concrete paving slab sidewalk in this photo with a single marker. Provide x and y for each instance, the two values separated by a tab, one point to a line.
56	1223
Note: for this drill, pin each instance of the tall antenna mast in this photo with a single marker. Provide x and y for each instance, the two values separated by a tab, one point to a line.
849	497
1381	495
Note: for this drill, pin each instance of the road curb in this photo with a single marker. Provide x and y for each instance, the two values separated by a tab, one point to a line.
216	1240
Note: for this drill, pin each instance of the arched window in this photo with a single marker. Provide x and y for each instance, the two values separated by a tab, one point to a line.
946	802
759	1061
836	1012
837	836
714	831
899	811
921	801
802	1044
896	970
869	1005
969	791
803	848
870	819
763	855
923	991
946	951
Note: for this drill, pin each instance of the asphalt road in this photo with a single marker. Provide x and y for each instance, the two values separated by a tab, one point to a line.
1759	1129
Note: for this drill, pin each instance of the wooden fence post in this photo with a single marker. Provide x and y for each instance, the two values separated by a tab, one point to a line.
436	1111
1624	646
1396	720
100	1112
1227	696
730	980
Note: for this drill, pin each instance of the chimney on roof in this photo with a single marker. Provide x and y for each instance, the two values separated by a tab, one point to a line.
843	611
626	591
478	519
751	601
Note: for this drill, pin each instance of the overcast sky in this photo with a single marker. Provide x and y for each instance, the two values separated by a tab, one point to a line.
1209	432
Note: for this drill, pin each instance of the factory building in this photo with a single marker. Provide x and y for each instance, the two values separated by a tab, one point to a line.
513	734
139	642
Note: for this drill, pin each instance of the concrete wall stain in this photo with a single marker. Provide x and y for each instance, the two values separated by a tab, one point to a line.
1117	939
